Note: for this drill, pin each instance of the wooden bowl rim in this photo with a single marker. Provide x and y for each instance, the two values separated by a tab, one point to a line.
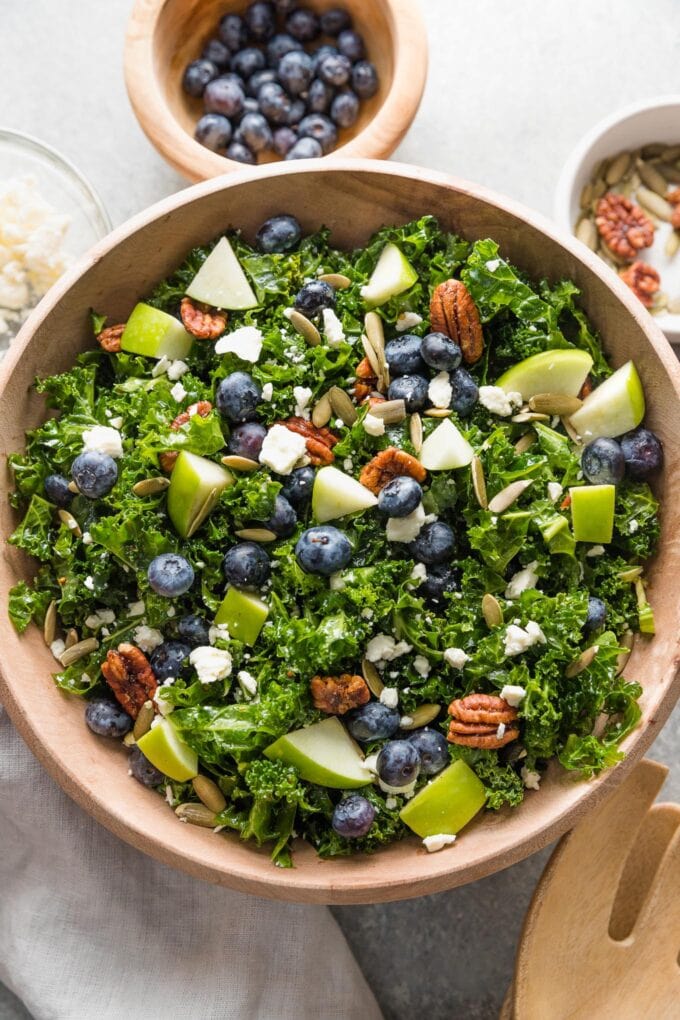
362	879
378	139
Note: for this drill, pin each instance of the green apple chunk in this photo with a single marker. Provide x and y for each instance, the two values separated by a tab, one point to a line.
195	487
244	615
336	494
592	512
165	749
445	448
614	407
560	371
155	334
323	753
221	282
447	803
393	274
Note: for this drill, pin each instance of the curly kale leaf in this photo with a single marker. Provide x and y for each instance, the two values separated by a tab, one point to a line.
387	826
35	533
636	521
501	782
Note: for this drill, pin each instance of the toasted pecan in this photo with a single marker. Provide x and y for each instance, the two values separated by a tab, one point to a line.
319	440
128	673
623	226
201	320
454	313
389	464
482	720
109	338
336	695
643	280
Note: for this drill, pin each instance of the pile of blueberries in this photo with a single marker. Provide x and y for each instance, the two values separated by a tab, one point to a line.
265	89
412	358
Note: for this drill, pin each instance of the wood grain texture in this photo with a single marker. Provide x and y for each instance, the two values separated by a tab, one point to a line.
353	198
163	36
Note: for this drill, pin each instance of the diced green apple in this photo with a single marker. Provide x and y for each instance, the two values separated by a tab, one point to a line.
244	614
446	804
393	274
558	371
155	334
336	494
614	407
165	749
195	487
221	282
323	753
592	512
445	448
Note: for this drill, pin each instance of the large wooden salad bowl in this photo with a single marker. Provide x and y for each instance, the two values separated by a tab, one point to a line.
354	199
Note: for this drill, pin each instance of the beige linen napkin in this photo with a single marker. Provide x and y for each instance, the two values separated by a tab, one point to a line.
91	929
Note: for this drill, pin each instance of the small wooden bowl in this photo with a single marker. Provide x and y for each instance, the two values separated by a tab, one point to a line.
117	273
163	36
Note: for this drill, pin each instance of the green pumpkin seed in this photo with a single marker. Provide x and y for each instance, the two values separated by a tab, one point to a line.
72	637
321	412
670	172
670	152
50	623
672	244
586	232
342	405
618	168
650	176
336	280
525	442
640	592
78	651
479	482
525	416
71	523
554	403
151	486
653	149
586	195
372	678
674	306
492	611
437	412
256	535
420	716
584	660
202	514
375	333
659	303
571	431
509	495
653	203
631	574
143	720
232	460
391	411
129	739
416	431
372	356
197	814
209	793
626	642
72	487
304	327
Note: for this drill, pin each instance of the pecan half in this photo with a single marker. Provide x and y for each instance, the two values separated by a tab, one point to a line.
109	338
477	720
202	321
623	226
319	441
129	675
167	458
643	280
388	464
366	381
336	695
674	198
453	312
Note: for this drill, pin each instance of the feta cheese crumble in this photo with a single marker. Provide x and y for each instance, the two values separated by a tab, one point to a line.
418	573
518	639
87	538
384	648
633	526
440	390
405	529
496	400
389	696
373	425
210	663
103	439
596	550
136	608
302	395
176	369
218	632
267	391
332	328
245	343
555	490
422	666
58	647
282	449
434	843
247	682
89	582
523	580
407	320
531	780
455	657
513	694
178	392
147	638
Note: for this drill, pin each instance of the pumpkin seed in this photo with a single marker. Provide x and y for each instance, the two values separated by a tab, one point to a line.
143	720
618	168
71	523
640	592
202	513
50	623
372	678
492	611
653	149
507	496
525	442
72	637
420	716
674	306
586	232
437	412
304	327
670	172
554	403
150	486
626	642
372	356
654	203
584	660
586	195
631	574
416	431
129	739
72	487
571	431
599	188
670	152
479	482
197	814
209	792
373	327
529	416
672	244
232	460
342	405
321	412
659	303
391	411
650	176
336	280
78	651
256	535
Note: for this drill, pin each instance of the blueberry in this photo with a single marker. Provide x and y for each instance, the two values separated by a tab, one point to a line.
250	105
240	153
106	718
283	520
197	75
283	6
278	234
246	62
412	389
215	51
167	660
596	616
295	71
57	490
345	109
351	45
297	487
441	579
223	95
643	453
194	629
602	462
436	543
441	352
260	19
323	550
303	24
319	96
284	140
321	128
404	355
237	397
335	21
214	131
364	79
246	566
353	816
323	51
246	440
260	78
170	575
398	763
464	392
256	132
297	111
400	496
433	749
274	102
314	297
280	45
334	69
234	79
94	473
233	32
142	769
305	148
372	721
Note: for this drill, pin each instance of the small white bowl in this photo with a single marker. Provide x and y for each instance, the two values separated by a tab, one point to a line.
651	120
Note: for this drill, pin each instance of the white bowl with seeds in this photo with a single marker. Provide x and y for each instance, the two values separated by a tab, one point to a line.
649	133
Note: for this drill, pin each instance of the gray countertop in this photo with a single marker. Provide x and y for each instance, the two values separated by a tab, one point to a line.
511	89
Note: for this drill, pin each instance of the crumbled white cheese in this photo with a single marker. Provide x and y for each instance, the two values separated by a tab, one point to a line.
218	632
371	762
633	526
555	490
500	732
389	696
338	423
267	391
399	791
493	264
161	366
178	392
523	580
302	395
373	425
496	400
210	663
367	613
531	780
336	582
332	328
58	647
147	638
518	639
455	657
513	694
104	439
434	843
89	582
406	720
421	666
405	529
247	682
245	343
407	320
136	608
282	449
117	422
391	803
176	369
596	550
440	390
348	464
101	617
384	648
87	538
164	707
418	574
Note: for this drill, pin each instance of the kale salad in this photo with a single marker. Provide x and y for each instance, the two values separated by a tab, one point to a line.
344	545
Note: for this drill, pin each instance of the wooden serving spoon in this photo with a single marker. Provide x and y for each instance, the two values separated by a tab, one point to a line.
601	938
